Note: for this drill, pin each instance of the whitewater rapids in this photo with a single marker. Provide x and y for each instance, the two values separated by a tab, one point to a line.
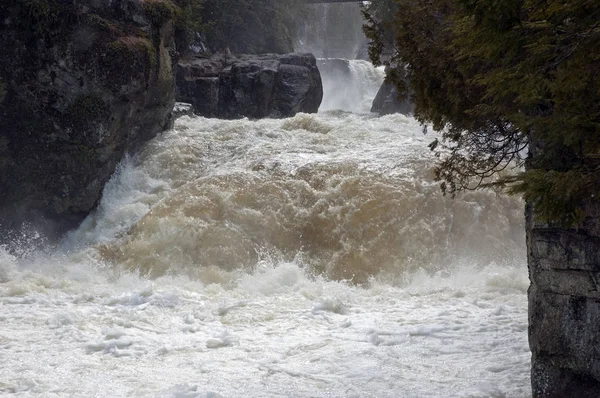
305	257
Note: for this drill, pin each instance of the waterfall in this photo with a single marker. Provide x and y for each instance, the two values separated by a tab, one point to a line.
349	85
310	256
332	31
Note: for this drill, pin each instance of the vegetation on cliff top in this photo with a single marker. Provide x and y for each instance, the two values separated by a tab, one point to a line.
498	78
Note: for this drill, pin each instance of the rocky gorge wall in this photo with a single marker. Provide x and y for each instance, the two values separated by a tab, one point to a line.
564	306
84	83
389	99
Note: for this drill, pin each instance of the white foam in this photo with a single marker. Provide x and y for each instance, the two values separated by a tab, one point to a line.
222	260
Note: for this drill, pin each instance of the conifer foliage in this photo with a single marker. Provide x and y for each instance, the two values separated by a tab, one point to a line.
506	83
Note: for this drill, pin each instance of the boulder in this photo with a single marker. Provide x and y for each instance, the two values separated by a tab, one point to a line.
254	86
83	83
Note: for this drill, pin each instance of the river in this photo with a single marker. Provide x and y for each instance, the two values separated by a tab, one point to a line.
305	257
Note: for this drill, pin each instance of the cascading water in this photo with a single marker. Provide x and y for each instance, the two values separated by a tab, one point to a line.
310	256
334	35
333	31
349	85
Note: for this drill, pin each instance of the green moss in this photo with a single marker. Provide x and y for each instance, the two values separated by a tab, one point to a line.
112	28
129	49
159	11
96	21
86	110
121	53
128	57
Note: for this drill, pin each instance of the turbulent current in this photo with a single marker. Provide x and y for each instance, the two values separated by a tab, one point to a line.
306	257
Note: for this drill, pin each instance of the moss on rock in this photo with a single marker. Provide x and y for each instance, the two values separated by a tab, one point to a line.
104	25
86	81
127	57
159	11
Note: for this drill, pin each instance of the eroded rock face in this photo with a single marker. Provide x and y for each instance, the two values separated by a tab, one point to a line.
386	101
564	307
85	82
254	86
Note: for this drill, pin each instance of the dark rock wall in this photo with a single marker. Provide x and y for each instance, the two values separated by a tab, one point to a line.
85	82
387	101
254	86
564	307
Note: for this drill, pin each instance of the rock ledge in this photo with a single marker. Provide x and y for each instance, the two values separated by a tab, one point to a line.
254	86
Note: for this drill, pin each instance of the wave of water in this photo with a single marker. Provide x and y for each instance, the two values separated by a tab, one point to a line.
351	195
311	256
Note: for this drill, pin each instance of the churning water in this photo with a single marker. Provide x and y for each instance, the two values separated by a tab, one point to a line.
306	257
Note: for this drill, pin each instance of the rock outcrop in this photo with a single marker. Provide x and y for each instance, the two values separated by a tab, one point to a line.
85	81
564	306
388	100
254	86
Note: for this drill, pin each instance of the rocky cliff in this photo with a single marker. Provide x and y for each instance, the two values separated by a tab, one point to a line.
84	82
253	86
387	102
388	99
564	306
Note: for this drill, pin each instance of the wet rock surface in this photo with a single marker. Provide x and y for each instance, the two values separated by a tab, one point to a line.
254	86
387	101
564	307
84	82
